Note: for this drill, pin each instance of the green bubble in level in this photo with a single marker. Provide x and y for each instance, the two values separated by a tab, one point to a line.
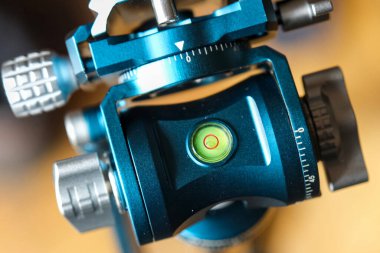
211	142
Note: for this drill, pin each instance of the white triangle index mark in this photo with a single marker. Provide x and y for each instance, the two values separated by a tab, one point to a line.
180	45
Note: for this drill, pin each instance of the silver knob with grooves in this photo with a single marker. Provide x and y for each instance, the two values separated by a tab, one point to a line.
83	193
38	82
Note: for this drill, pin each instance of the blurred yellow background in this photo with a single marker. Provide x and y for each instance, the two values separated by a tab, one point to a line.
347	221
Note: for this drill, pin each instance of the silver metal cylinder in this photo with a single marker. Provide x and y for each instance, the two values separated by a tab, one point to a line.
82	192
85	129
321	8
299	13
165	11
77	129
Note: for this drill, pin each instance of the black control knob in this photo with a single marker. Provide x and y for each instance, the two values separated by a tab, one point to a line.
333	122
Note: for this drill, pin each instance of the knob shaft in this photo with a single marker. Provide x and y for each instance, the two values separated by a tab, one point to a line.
85	130
37	83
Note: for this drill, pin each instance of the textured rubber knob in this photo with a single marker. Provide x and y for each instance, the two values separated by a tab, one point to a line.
37	83
82	192
335	128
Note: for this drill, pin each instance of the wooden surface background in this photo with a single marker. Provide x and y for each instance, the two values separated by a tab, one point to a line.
347	221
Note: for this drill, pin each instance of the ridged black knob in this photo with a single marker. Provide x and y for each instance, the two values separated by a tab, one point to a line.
334	124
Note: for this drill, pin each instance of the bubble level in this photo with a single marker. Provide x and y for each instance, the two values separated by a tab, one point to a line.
212	142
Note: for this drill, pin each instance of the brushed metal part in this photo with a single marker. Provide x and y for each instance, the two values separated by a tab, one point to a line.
82	192
321	8
103	9
77	129
165	11
299	13
31	83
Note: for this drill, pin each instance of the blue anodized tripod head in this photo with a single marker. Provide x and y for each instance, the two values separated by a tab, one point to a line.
206	169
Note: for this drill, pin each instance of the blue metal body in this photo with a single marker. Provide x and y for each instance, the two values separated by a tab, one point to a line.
156	177
162	188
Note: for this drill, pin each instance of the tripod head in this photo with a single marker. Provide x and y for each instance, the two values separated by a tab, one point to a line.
205	169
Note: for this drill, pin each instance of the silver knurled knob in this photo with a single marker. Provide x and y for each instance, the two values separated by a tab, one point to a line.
83	193
37	83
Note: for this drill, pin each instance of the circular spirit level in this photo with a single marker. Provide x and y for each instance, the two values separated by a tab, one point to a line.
212	142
